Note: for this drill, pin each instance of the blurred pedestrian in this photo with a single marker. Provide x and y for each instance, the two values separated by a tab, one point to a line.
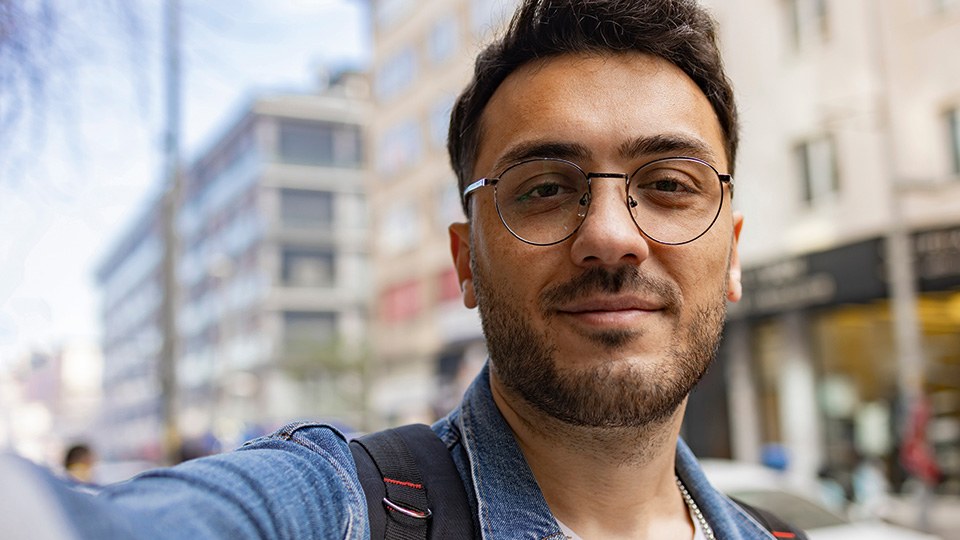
78	463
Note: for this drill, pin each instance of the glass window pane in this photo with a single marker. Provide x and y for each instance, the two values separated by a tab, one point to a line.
305	208
307	267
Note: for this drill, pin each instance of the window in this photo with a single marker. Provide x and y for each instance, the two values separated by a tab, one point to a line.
400	228
303	208
953	138
396	74
808	20
444	38
389	12
307	267
816	163
941	6
327	144
303	329
400	147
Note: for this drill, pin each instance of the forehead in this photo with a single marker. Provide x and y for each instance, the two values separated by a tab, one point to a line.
602	103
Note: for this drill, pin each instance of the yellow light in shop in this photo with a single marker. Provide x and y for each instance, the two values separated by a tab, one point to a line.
953	308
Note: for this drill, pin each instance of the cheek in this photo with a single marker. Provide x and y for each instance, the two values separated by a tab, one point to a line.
516	272
700	269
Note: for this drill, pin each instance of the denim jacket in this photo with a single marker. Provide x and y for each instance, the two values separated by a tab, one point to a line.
301	482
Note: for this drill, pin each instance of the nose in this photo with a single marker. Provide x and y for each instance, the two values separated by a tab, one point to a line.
608	235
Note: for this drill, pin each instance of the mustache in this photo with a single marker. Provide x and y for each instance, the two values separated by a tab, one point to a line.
598	279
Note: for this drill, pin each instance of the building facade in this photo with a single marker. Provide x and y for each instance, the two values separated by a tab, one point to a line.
850	145
849	182
422	58
273	280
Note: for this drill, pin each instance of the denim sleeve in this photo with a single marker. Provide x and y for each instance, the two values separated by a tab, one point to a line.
298	483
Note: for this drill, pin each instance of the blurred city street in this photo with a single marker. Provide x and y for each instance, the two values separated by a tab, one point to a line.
220	217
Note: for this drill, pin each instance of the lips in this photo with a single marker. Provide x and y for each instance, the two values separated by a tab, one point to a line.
607	304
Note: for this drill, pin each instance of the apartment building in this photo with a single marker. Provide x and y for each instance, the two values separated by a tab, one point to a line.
850	145
428	345
273	278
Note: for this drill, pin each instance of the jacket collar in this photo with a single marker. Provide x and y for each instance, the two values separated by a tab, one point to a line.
509	501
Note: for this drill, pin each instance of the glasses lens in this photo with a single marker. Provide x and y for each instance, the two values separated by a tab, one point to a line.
541	200
675	201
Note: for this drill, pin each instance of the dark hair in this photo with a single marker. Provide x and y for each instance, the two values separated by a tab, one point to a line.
679	31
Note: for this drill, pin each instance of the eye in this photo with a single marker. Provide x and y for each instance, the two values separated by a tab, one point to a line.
667	181
543	188
666	185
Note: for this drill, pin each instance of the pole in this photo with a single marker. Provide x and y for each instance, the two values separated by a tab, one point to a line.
171	196
899	259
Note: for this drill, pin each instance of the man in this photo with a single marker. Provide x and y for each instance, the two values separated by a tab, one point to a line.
594	149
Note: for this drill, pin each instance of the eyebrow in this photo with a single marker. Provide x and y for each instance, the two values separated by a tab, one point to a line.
672	145
542	149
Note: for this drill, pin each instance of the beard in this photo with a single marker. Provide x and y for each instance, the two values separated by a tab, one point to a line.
611	393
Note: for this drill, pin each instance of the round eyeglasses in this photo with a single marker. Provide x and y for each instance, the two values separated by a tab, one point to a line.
543	201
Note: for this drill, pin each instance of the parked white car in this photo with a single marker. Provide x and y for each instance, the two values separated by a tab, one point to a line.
797	504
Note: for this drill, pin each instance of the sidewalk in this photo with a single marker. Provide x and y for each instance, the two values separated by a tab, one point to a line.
943	514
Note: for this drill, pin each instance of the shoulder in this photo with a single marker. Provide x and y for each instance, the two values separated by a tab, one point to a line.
299	482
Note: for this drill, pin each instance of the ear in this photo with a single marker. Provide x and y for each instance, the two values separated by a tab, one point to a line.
460	250
734	287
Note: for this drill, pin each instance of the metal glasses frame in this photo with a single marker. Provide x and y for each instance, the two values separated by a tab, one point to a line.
589	176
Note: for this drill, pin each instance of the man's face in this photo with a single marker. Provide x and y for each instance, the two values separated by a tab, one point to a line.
607	328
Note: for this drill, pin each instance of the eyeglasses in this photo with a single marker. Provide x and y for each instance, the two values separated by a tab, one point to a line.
543	201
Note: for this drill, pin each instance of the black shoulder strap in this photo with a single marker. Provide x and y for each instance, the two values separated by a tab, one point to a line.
777	527
413	489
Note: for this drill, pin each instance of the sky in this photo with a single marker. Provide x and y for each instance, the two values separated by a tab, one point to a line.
88	164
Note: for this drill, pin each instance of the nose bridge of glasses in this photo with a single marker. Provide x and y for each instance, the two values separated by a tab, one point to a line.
588	197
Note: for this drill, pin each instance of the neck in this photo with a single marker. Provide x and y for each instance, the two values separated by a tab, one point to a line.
602	482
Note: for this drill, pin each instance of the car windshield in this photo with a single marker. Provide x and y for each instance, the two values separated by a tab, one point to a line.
796	511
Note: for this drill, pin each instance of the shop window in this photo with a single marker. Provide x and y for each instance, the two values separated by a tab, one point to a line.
307	267
817	169
303	208
952	118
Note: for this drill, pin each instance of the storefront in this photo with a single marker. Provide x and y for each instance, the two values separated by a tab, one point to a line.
809	361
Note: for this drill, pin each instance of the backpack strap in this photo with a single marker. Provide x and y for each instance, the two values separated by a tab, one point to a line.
412	486
779	528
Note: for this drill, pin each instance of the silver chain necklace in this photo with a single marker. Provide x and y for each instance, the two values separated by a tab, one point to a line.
707	531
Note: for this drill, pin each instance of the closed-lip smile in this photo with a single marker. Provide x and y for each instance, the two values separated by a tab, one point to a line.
611	304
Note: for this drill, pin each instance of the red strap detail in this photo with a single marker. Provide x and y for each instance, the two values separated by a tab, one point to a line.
784	534
402	483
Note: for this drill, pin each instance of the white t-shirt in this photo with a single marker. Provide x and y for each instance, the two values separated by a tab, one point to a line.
697	529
